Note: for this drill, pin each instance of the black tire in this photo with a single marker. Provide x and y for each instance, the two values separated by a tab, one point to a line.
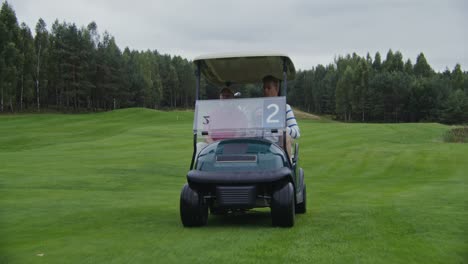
283	206
301	208
193	209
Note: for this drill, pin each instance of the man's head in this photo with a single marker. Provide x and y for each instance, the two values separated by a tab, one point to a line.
226	93
271	86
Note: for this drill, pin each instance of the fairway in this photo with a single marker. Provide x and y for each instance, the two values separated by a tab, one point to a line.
104	188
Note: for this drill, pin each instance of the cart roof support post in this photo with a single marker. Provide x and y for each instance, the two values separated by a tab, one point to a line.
198	74
285	78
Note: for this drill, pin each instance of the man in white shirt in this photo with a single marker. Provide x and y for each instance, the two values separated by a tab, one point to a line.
271	88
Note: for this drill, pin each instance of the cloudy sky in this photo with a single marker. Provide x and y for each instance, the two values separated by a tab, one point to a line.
311	32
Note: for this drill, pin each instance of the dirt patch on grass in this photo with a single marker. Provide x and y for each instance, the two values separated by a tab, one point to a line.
304	115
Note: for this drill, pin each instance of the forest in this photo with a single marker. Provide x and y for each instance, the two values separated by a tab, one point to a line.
70	68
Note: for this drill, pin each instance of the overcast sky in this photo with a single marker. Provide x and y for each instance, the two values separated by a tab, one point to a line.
311	32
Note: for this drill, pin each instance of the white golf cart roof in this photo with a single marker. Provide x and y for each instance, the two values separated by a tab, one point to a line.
232	68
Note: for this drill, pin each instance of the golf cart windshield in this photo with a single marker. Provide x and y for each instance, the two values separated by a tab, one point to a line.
240	118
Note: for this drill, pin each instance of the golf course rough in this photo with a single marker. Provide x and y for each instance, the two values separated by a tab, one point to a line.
104	188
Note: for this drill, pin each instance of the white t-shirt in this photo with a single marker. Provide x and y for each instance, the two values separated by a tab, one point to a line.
291	123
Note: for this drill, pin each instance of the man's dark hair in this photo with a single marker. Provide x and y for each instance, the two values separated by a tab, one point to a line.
271	78
226	90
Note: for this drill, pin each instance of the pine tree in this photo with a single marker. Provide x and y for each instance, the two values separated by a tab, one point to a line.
457	78
387	64
377	64
421	67
342	95
26	65
408	68
41	45
398	64
456	108
9	54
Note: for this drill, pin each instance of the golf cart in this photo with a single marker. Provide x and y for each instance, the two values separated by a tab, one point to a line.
239	157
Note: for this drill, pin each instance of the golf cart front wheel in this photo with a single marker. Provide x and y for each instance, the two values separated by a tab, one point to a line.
301	208
193	209
283	206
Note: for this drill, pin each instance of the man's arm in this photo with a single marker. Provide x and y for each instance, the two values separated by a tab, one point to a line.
291	123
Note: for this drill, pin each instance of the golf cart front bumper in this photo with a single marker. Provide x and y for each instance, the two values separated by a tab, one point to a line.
237	177
237	189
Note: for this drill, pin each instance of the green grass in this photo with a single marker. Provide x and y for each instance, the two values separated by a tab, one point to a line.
104	188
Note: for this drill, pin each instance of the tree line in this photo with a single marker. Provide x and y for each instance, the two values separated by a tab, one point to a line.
69	68
76	68
369	89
